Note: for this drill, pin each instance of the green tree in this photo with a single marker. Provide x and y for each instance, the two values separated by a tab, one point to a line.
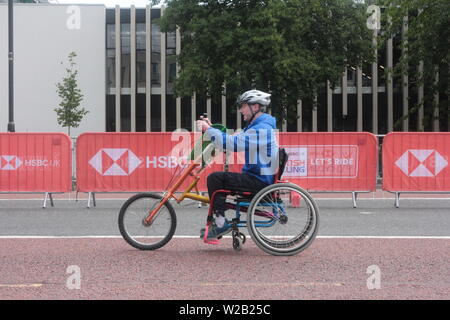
290	48
69	113
426	42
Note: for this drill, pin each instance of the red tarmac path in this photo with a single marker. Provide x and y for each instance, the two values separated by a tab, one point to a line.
331	268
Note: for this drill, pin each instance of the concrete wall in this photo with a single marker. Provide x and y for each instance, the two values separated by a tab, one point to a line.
44	35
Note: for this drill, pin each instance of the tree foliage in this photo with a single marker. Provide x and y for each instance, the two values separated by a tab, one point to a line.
69	114
287	47
426	41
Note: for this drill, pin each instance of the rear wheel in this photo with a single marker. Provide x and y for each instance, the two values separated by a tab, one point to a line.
145	236
283	219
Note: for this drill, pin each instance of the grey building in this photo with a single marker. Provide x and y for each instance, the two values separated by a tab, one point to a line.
44	35
127	69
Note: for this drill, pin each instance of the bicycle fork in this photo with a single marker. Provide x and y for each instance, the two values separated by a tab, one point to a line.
154	212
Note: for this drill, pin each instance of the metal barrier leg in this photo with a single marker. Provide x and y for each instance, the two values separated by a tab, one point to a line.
91	195
397	199
47	196
354	196
45	201
199	204
51	200
89	200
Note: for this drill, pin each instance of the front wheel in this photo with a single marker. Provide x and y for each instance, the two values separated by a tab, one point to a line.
146	236
283	219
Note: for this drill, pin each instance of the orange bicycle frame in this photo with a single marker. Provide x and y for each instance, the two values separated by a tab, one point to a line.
194	170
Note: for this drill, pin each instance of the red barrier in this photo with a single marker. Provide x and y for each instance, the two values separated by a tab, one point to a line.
416	161
35	162
325	161
112	162
322	161
115	162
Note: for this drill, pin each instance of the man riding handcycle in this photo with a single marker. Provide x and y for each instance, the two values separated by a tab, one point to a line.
282	218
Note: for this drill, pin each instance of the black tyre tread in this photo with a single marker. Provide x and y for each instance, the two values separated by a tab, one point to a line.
135	244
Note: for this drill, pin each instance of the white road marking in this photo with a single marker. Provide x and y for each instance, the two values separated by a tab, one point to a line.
197	237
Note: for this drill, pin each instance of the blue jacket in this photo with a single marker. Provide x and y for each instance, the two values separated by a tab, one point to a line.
258	141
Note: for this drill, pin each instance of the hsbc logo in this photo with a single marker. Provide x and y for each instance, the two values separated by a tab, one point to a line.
9	162
115	162
421	163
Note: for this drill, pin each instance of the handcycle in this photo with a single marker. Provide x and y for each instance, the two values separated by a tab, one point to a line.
282	218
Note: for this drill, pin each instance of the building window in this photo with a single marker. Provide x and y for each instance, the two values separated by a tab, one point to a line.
110	56
110	113
156	56
155	115
155	73
140	55
126	58
125	113
171	113
140	113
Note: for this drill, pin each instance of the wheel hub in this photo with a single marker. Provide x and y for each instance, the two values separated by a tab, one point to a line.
283	219
146	223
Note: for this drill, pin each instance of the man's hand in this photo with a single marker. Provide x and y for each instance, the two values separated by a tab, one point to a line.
203	124
206	119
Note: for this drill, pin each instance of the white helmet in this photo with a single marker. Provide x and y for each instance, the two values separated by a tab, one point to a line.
254	97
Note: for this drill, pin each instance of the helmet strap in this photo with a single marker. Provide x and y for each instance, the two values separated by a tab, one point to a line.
253	113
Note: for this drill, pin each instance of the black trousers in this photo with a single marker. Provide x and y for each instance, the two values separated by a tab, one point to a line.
230	181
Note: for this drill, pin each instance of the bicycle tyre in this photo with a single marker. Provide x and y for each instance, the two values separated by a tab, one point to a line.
139	205
306	214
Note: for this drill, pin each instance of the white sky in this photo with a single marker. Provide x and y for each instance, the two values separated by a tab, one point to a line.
108	3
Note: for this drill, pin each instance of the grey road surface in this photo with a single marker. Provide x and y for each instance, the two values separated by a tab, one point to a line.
372	217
